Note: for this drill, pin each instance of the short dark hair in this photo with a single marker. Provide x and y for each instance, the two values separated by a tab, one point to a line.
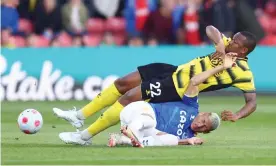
250	42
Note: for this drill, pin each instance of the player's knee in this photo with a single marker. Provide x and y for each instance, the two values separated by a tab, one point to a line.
122	84
128	82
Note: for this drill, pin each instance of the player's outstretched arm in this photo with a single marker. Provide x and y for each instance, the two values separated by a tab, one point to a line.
161	139
250	106
214	34
191	141
165	139
247	109
216	37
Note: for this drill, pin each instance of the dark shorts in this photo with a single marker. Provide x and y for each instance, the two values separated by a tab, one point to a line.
157	84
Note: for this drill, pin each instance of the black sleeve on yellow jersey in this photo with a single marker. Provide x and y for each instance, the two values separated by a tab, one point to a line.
245	82
242	66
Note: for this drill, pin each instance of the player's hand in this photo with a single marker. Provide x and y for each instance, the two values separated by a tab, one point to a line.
229	60
229	116
195	141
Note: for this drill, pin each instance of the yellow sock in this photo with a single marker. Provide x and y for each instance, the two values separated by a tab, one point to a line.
109	118
106	98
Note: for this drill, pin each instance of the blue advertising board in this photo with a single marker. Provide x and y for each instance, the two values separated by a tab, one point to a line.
81	73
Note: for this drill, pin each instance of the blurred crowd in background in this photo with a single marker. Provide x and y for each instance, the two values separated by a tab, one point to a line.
69	23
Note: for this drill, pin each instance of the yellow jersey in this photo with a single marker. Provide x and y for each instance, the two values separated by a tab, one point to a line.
239	76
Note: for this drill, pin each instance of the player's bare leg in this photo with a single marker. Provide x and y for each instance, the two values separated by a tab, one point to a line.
128	82
132	95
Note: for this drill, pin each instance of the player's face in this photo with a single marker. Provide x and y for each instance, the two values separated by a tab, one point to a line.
202	123
236	45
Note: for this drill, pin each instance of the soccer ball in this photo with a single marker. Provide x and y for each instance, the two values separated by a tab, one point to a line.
30	121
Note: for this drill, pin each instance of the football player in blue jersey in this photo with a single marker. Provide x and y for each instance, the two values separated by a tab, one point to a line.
163	124
170	123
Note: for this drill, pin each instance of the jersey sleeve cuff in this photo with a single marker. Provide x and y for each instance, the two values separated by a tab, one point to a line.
191	96
249	91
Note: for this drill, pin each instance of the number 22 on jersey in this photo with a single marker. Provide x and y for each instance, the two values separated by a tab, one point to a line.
155	89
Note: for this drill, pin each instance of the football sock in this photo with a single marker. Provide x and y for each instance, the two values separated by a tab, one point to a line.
85	135
106	98
109	118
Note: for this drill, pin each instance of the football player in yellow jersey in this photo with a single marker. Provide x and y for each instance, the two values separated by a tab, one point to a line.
159	82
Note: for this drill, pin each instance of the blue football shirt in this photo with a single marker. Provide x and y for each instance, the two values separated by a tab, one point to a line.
176	117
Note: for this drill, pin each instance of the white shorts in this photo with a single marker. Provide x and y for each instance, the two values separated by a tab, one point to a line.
134	110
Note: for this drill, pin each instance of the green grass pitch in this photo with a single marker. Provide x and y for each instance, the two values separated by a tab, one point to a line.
248	141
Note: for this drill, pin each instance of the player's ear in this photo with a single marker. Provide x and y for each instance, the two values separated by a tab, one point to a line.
244	50
201	113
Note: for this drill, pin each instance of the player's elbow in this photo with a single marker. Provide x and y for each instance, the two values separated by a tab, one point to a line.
210	28
254	105
213	33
